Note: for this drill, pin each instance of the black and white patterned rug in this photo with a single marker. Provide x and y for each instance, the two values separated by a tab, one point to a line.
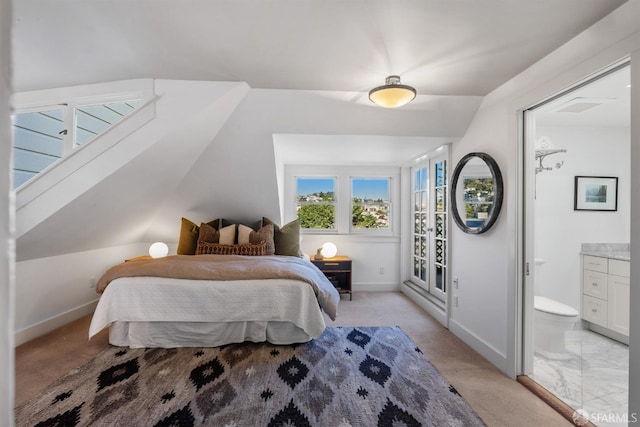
363	376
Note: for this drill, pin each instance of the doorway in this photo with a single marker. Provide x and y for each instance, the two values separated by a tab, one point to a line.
429	206
574	142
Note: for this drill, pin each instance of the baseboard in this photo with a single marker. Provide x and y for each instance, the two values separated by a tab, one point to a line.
27	334
433	309
486	350
375	287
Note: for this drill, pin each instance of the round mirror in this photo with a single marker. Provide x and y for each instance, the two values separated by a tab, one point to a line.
476	193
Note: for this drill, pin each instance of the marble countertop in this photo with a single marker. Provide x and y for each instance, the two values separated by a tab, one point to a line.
607	250
621	255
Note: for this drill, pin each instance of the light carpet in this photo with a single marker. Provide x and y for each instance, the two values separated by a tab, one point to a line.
362	376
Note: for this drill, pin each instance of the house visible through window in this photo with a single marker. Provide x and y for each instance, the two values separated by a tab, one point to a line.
370	203
316	203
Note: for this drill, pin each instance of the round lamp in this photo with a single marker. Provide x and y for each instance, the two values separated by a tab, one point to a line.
329	250
158	250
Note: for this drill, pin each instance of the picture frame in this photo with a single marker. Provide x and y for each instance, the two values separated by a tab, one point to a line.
596	193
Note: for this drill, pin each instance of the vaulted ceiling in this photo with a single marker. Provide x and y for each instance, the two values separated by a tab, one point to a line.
442	47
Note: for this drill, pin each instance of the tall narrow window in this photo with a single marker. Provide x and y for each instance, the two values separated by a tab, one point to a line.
370	203
440	234
316	203
420	212
38	142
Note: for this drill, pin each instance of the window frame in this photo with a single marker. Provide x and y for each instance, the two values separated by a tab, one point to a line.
353	230
335	203
343	199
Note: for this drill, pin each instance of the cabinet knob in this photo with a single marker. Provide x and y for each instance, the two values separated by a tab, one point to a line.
594	284
595	310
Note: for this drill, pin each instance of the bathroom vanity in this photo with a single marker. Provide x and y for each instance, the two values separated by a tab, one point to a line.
605	289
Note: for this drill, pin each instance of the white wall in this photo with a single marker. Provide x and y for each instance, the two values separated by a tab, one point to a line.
634	332
55	290
560	231
7	250
488	264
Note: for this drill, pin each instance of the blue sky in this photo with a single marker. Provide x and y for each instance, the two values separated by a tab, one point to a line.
362	188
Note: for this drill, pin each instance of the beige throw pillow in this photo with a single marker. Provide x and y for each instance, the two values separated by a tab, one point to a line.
227	235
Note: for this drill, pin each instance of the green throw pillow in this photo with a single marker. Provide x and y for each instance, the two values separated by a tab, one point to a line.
286	238
188	241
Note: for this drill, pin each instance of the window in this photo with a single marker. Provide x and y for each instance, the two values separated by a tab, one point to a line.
370	203
316	203
343	199
91	120
429	216
37	142
41	138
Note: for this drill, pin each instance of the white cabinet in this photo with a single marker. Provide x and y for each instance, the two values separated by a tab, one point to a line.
605	293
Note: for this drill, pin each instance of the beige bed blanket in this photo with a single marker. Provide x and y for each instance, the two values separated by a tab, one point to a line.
230	267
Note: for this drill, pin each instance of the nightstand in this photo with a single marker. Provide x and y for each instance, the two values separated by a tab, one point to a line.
338	271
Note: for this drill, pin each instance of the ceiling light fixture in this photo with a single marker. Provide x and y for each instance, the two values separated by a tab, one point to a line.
392	94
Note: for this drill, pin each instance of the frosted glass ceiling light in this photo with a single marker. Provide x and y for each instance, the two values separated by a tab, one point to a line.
158	250
392	94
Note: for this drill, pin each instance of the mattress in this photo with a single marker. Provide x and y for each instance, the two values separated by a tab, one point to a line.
164	312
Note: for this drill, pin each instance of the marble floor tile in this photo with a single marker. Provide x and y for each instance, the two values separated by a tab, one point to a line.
594	378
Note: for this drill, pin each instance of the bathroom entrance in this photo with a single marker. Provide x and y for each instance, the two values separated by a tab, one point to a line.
576	237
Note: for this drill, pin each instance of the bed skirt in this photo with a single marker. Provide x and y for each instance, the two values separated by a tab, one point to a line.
202	334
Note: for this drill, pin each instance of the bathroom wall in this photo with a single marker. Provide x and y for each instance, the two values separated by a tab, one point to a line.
560	230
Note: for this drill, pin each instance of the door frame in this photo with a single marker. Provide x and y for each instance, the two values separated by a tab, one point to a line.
525	256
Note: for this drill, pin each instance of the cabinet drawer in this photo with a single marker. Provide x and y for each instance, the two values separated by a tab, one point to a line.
594	283
594	310
333	265
619	267
594	263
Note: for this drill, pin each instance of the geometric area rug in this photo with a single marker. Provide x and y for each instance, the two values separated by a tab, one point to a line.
362	376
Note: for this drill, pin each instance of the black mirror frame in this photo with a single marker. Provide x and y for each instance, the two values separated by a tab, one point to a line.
497	203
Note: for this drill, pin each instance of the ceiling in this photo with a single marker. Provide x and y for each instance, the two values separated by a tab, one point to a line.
442	47
605	102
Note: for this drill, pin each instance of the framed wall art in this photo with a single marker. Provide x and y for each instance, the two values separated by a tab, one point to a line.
596	193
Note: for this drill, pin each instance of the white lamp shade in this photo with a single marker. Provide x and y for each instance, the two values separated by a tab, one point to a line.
158	250
329	250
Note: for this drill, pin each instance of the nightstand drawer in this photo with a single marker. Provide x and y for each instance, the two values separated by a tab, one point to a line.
338	272
326	265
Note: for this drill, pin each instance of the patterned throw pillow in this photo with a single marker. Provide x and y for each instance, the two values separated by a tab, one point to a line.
253	249
208	234
264	234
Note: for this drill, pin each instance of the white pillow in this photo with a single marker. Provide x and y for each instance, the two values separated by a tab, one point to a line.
243	234
228	235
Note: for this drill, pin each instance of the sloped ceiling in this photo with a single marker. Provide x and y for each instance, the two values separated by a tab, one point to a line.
309	65
442	47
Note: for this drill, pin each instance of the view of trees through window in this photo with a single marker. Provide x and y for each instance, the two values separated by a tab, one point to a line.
316	203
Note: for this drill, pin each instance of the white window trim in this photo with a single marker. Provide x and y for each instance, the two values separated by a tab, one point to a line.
343	175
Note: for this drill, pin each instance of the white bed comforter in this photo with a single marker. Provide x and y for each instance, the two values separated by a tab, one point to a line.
158	299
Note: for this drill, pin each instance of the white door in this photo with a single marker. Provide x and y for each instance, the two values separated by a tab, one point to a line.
430	218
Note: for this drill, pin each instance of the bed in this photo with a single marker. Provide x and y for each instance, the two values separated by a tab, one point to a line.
213	300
